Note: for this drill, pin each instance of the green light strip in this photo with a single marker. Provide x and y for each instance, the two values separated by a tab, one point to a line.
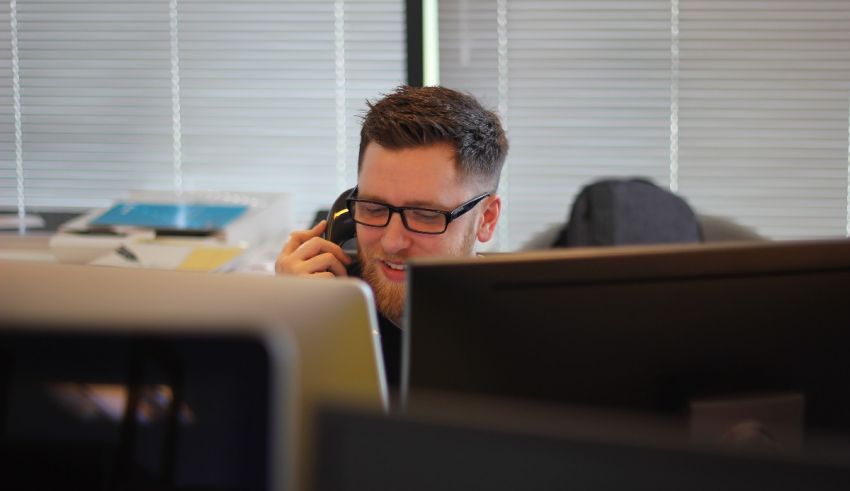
430	43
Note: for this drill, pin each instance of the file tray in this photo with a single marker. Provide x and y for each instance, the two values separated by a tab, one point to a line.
171	217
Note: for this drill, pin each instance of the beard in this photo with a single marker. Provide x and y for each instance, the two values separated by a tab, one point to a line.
390	295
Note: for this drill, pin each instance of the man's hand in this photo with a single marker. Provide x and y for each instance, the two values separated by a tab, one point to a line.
306	253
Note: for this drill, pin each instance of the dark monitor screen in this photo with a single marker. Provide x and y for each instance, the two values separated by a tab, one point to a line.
443	449
718	335
109	411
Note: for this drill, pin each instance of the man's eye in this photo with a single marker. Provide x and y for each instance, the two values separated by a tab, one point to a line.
372	209
425	216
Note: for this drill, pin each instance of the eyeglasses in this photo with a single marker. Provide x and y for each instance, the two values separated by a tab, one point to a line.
419	220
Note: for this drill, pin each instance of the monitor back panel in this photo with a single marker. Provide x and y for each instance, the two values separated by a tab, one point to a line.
660	329
359	451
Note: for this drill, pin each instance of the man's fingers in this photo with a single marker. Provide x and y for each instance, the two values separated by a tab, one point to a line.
308	254
318	245
326	262
294	241
319	228
299	237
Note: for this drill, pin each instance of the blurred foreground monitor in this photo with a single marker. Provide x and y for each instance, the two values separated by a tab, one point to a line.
138	379
443	444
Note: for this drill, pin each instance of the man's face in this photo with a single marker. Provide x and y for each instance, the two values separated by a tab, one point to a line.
425	177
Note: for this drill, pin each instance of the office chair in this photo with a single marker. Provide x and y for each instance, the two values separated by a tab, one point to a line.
628	211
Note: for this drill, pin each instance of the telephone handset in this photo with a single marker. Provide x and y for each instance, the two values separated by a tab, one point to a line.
342	230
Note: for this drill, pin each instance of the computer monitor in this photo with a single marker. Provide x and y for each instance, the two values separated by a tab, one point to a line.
737	341
449	445
238	347
88	410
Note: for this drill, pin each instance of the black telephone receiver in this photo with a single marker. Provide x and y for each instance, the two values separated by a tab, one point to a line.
342	230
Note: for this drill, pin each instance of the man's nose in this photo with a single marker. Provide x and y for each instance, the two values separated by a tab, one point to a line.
396	238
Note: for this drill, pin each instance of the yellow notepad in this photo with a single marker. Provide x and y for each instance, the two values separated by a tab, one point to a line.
209	258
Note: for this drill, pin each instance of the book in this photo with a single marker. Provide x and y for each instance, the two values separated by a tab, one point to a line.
172	217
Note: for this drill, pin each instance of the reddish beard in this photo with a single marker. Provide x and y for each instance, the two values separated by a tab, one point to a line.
390	295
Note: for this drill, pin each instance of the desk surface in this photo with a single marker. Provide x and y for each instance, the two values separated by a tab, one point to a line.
35	246
30	247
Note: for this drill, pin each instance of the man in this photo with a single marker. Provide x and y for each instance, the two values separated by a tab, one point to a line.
427	173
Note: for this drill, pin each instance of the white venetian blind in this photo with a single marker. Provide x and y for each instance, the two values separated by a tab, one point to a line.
271	88
8	174
468	48
587	94
199	94
765	88
741	107
95	100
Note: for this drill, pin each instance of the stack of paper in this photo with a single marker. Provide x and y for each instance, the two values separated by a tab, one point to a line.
173	255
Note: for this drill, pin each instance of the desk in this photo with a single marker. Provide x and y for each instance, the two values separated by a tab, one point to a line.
30	247
35	247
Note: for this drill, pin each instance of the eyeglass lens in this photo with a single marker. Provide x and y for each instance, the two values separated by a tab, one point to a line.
416	219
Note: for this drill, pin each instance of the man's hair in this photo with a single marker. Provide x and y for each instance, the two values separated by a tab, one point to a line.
413	117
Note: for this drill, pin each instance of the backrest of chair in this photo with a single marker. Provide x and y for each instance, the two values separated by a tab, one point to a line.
628	211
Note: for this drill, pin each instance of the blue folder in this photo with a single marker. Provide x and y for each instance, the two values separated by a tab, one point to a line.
187	217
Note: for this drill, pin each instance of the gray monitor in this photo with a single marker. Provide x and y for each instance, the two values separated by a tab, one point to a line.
313	342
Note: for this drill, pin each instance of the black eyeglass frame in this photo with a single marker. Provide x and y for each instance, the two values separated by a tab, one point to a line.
450	215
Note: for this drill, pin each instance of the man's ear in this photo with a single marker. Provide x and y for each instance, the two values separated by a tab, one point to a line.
489	218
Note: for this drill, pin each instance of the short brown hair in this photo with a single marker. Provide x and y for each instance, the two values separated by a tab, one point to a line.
421	116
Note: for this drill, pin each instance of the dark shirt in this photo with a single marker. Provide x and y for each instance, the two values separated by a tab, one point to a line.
391	348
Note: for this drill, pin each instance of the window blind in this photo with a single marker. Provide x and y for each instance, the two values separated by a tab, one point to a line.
765	88
741	107
95	100
8	171
198	94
